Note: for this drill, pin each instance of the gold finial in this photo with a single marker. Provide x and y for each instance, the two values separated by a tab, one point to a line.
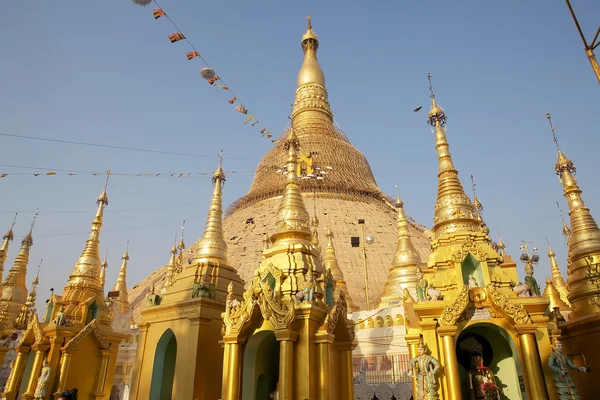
309	23
212	245
557	279
405	254
476	203
219	174
182	242
552	293
500	243
566	231
8	237
171	267
36	280
103	268
453	208
563	164
292	218
121	284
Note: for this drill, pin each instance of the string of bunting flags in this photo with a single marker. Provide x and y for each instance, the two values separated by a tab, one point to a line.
208	73
147	175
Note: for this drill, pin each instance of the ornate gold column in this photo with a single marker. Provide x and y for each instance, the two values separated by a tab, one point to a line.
451	363
10	389
347	389
413	343
286	340
40	353
100	387
232	367
531	361
139	361
323	341
65	361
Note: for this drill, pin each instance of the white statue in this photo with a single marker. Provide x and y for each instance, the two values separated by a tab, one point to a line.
472	282
434	294
40	389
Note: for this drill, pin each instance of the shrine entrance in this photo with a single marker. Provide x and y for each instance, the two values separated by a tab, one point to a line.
163	370
499	354
260	372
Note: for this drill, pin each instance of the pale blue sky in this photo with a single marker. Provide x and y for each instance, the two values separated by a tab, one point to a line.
105	72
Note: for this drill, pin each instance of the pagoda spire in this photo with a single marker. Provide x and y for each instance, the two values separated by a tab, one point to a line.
311	103
402	274
121	284
28	308
8	237
331	263
552	294
212	245
584	243
171	268
315	233
86	271
103	269
292	218
14	290
453	208
557	279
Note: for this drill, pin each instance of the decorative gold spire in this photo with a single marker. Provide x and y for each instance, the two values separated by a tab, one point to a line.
103	268
182	242
552	294
8	237
121	284
28	308
584	243
311	96
557	279
453	209
331	263
14	290
212	245
292	217
501	247
405	254
86	272
315	233
171	267
402	274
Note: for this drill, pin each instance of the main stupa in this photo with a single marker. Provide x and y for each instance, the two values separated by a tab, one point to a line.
338	188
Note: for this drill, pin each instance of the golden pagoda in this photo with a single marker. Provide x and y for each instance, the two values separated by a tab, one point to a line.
347	193
14	288
283	338
583	238
557	280
466	307
403	273
178	354
76	338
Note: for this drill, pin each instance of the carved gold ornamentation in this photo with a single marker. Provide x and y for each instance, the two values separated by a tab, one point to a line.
452	313
511	311
469	246
478	296
339	310
92	327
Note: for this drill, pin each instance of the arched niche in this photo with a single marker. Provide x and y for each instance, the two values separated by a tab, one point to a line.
91	313
469	266
500	354
163	370
260	372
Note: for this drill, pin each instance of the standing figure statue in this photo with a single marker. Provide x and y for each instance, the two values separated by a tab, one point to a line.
422	286
534	288
10	374
559	364
481	380
40	389
424	368
202	288
309	287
